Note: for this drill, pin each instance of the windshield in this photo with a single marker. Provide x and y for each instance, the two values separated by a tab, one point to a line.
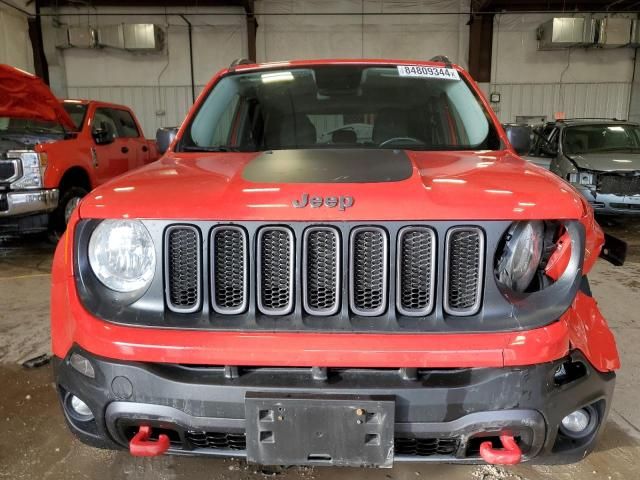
340	107
601	138
23	126
76	111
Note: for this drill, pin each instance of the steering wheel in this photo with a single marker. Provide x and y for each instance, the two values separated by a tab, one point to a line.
393	140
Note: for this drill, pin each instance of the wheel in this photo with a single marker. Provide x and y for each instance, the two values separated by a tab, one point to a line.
69	200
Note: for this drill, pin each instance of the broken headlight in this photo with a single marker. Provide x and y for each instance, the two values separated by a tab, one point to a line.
521	253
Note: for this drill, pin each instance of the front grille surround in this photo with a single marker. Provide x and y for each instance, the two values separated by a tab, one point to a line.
176	284
286	271
224	289
150	309
451	272
311	266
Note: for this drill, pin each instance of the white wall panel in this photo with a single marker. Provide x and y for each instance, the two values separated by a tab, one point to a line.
350	34
15	45
147	102
606	100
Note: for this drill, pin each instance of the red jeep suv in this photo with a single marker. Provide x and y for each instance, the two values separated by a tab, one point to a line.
337	262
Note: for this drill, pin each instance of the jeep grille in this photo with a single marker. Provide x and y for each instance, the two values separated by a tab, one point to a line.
318	260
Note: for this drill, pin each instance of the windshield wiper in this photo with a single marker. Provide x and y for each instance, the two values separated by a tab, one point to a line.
215	148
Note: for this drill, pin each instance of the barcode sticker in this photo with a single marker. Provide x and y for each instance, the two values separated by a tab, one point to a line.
428	72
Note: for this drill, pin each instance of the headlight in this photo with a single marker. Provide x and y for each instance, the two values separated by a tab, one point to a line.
521	254
33	167
581	178
122	255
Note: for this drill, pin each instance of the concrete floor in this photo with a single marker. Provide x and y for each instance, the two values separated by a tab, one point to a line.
35	444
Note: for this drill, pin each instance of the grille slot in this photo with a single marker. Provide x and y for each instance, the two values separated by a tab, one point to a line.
415	271
619	184
183	268
217	440
229	264
275	268
425	447
368	272
321	271
464	269
8	170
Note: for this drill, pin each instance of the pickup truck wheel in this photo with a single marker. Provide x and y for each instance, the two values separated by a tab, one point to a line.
68	202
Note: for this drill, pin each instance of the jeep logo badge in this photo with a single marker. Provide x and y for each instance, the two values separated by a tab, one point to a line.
342	202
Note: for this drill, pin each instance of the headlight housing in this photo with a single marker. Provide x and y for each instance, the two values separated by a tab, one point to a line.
122	255
33	167
521	254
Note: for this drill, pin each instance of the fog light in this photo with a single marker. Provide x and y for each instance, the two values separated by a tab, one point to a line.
79	409
580	424
577	421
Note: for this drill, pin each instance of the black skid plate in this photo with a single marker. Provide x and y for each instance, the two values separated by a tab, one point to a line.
320	430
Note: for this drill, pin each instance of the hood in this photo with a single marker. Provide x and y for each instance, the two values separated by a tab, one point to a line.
7	144
246	186
23	95
608	162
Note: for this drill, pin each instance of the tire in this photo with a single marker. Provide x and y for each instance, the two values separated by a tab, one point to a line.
69	200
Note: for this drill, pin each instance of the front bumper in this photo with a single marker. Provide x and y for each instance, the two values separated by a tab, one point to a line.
14	204
611	204
441	415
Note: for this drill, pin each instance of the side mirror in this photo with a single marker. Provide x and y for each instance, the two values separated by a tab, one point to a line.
102	136
519	136
164	138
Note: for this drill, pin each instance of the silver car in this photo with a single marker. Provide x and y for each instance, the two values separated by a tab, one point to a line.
601	158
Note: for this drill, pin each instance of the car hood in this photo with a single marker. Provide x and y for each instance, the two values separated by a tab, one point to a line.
23	95
263	186
607	162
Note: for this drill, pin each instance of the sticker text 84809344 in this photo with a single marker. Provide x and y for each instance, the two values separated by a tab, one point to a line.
428	72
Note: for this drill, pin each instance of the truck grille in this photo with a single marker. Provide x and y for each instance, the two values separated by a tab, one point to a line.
7	170
183	268
619	184
279	270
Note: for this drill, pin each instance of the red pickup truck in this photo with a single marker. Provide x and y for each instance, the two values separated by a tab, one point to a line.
286	287
53	153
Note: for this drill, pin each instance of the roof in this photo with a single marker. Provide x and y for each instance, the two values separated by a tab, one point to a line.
591	121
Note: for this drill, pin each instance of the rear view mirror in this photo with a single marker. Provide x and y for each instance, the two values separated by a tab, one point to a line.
519	136
164	138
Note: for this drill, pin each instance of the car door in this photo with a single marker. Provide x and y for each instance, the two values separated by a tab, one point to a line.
111	158
138	148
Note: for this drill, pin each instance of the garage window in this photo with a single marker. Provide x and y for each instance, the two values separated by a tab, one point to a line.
339	107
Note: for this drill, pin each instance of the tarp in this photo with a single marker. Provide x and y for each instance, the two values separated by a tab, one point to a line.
23	95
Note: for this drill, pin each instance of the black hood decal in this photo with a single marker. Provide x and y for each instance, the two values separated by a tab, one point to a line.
329	166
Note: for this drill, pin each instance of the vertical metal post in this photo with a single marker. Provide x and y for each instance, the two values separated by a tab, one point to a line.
193	79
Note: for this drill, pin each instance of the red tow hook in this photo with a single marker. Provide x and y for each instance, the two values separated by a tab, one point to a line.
510	455
141	446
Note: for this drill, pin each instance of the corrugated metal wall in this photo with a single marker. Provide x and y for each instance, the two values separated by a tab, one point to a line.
606	100
155	107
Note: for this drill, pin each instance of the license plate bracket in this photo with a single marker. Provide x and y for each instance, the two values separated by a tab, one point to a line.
339	430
